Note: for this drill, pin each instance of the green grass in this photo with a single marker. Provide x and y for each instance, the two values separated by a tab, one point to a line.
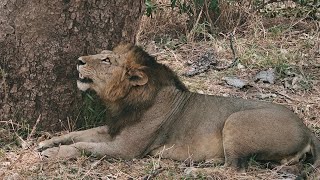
277	31
93	112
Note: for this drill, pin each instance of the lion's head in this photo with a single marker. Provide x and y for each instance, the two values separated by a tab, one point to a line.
125	77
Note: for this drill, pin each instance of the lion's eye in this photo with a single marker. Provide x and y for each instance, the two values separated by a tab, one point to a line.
106	60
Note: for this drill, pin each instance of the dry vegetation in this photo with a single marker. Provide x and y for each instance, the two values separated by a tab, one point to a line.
289	45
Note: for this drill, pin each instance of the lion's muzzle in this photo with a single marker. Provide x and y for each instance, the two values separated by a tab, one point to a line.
80	64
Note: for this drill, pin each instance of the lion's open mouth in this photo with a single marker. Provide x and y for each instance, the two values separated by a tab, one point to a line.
84	79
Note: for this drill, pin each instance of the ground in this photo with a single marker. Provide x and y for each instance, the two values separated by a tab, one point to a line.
293	52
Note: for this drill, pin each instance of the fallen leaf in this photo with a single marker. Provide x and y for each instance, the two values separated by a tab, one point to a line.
265	76
236	82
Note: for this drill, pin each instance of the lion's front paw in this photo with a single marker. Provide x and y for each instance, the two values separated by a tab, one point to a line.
45	145
50	153
65	152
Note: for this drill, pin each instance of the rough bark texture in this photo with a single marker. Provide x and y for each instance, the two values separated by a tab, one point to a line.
39	45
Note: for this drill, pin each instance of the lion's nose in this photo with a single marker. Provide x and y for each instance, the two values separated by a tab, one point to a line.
81	62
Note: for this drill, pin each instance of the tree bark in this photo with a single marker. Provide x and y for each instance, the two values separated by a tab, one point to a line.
40	41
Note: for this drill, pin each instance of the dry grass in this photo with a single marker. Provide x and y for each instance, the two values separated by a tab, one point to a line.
161	26
264	44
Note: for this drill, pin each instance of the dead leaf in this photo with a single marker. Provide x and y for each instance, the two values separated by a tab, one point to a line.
236	82
265	76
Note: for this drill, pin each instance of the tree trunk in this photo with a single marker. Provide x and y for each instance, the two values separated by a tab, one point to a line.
40	42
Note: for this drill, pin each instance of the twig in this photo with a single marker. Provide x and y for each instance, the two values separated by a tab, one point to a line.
232	48
93	166
292	25
266	3
34	128
174	55
153	173
208	15
286	96
22	142
190	36
11	123
235	58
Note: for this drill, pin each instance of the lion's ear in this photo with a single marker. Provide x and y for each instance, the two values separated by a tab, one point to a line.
137	77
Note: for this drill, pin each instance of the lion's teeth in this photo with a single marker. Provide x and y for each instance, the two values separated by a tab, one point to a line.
81	76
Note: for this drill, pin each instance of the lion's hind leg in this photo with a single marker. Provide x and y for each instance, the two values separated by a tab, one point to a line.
268	134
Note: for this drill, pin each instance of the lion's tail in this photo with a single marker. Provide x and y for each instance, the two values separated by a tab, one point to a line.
315	150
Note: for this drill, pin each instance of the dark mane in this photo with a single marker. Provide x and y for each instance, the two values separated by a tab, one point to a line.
128	110
159	72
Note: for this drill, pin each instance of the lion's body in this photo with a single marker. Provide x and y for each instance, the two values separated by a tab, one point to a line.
152	112
209	124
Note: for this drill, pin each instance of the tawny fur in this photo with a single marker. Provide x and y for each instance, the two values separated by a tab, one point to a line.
151	110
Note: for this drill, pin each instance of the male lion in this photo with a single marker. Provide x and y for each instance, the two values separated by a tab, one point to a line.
151	109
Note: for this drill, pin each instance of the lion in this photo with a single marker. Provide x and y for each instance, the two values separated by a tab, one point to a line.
152	111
